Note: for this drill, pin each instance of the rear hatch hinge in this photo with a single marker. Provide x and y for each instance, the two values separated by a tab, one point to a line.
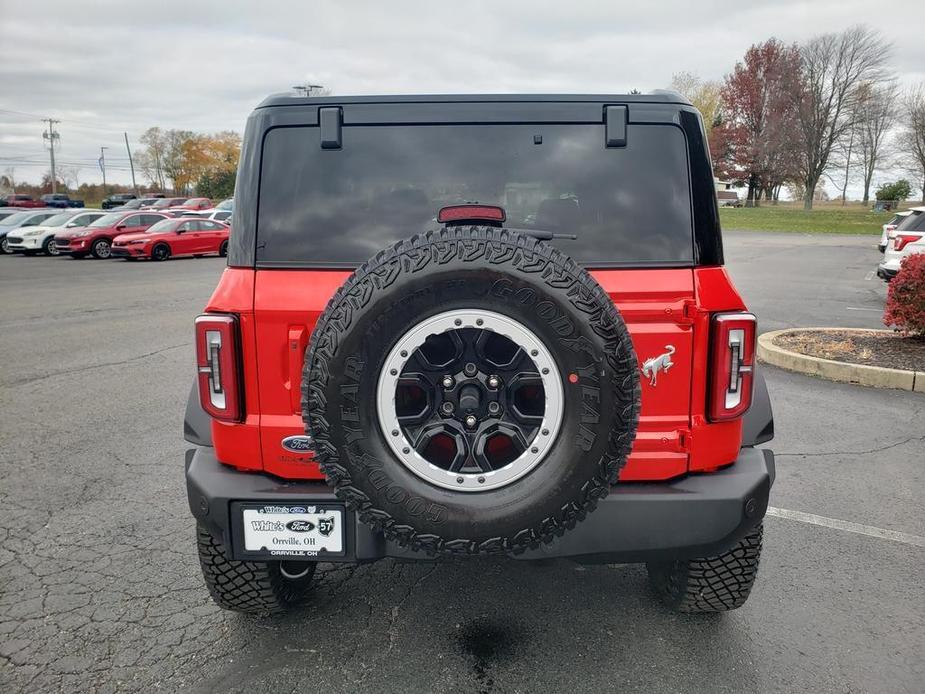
689	312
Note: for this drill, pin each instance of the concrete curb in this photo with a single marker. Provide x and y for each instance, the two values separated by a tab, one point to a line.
860	374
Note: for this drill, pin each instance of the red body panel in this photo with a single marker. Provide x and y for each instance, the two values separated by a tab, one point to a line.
279	308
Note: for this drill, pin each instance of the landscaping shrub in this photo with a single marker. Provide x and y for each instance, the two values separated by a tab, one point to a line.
905	300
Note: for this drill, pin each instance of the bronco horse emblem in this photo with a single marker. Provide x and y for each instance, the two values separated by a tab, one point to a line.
651	367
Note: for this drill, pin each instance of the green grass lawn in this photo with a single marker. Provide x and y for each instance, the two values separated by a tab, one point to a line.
853	219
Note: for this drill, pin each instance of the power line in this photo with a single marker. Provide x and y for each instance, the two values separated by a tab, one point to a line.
71	122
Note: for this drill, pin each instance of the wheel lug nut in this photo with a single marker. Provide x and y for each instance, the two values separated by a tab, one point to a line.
448	381
471	421
494	407
447	408
494	382
470	369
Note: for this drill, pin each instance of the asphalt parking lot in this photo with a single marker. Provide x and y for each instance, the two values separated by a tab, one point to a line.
100	586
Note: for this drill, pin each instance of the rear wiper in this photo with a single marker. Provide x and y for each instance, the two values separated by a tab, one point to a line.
543	234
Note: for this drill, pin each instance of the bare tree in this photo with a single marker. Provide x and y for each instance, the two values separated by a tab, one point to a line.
69	175
9	176
912	137
832	66
875	115
150	160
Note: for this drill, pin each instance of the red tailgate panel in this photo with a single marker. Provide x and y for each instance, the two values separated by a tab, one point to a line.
655	304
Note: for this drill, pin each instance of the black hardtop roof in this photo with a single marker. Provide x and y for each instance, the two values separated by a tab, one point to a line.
661	96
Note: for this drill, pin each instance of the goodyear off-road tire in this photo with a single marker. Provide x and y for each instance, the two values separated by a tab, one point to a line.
712	584
468	268
250	587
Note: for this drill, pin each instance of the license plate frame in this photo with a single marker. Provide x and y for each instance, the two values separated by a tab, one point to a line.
287	530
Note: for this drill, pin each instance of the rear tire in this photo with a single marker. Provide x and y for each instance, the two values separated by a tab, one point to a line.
258	588
711	584
223	249
160	252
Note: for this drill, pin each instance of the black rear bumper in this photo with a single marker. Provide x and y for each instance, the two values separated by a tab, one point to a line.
696	516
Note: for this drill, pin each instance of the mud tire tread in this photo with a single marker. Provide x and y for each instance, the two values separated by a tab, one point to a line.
243	586
712	584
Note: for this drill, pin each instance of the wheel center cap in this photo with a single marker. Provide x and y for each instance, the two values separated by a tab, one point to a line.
470	399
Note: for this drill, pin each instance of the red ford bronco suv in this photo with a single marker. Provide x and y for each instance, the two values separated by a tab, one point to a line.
466	325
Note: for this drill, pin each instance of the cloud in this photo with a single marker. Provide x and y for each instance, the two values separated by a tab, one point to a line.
108	67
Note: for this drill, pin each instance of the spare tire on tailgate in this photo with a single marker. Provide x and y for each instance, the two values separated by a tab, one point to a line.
471	390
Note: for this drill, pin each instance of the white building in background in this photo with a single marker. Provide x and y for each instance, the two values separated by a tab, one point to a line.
726	195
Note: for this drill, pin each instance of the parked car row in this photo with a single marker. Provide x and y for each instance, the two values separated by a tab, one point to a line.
62	200
903	235
131	234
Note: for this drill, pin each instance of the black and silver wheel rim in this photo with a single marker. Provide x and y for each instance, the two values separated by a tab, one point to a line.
470	400
52	248
160	253
102	249
4	245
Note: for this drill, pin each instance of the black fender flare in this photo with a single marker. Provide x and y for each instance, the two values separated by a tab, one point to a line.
197	425
758	422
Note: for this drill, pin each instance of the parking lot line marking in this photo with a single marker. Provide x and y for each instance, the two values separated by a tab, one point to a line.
847	526
869	276
854	308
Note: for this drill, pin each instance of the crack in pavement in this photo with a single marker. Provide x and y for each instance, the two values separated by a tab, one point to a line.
65	372
867	452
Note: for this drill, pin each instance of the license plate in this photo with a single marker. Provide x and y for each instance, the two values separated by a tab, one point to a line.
293	531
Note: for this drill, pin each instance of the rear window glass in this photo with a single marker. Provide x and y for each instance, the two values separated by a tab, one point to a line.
338	207
914	222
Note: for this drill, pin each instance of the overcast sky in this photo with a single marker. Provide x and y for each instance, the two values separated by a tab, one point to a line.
107	67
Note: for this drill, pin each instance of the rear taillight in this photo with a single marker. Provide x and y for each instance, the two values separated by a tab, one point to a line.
732	347
217	361
900	241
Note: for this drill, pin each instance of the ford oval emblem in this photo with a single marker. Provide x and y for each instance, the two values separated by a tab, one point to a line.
300	526
298	444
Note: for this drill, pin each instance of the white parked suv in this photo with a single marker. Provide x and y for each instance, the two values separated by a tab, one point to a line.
908	238
890	226
42	237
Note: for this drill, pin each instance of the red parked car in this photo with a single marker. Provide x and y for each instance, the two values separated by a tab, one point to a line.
22	201
165	203
97	237
194	204
171	237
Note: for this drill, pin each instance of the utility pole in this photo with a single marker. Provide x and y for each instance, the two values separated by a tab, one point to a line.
52	136
131	164
103	165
